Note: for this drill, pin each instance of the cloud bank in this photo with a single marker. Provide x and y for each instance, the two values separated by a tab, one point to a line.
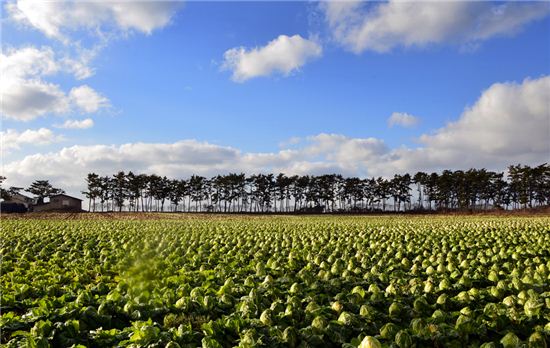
509	123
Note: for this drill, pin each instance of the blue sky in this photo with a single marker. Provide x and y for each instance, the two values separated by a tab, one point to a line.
320	103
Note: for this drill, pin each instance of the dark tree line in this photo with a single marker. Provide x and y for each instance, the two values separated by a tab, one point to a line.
474	189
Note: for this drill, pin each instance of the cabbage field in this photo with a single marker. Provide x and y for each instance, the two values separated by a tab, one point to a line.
276	282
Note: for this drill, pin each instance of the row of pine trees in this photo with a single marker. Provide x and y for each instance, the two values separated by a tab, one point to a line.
475	189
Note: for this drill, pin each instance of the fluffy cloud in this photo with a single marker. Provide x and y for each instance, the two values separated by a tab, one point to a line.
76	124
12	139
28	62
25	93
402	119
25	100
509	123
87	100
381	27
70	165
284	54
56	18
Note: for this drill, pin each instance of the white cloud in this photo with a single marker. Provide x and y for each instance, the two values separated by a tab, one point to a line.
87	100
12	139
70	164
79	68
508	124
380	27
402	119
56	18
25	93
284	55
144	16
28	62
77	124
79	63
25	100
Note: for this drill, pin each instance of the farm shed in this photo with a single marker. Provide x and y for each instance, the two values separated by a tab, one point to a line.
21	199
17	203
61	202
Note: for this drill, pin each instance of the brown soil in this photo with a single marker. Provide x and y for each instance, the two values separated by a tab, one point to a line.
188	216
